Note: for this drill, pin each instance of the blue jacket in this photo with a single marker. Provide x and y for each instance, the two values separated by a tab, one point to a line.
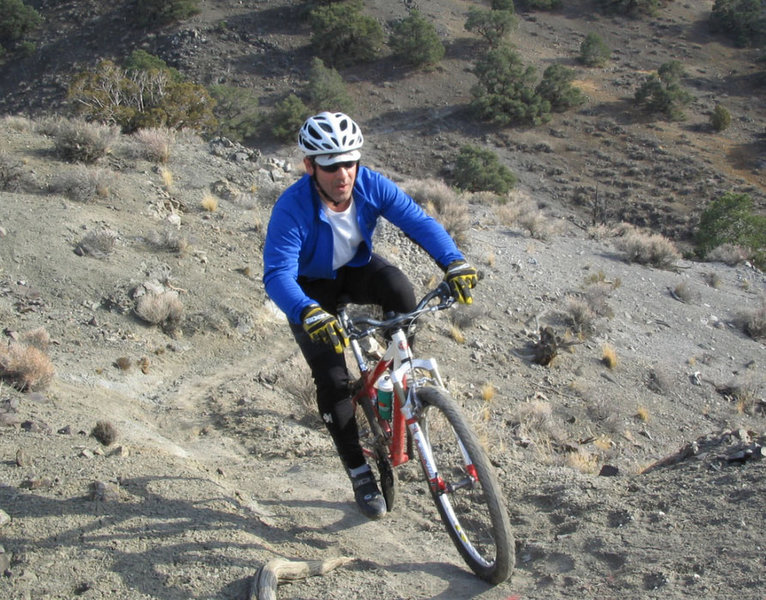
299	238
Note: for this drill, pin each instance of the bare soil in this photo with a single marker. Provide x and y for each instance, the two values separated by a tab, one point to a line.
220	464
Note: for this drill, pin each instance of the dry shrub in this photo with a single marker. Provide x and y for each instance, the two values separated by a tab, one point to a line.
12	176
98	244
534	421
647	248
597	296
685	292
729	254
642	414
209	203
713	279
82	183
104	432
76	140
444	203
25	365
167	179
160	307
154	143
169	240
754	321
580	315
537	224
17	123
609	356
510	213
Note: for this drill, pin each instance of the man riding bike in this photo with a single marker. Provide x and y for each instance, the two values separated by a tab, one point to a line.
319	247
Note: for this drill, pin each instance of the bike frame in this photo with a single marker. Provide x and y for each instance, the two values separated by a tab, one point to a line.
402	367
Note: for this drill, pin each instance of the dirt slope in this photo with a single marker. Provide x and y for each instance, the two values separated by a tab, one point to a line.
219	466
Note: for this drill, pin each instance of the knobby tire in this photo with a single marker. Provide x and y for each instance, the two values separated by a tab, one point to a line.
481	531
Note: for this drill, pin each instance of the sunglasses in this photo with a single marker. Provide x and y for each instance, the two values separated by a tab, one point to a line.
333	168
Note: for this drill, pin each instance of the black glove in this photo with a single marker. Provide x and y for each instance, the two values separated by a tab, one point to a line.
323	327
461	278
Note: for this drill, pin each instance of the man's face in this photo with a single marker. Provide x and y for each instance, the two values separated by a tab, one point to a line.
336	181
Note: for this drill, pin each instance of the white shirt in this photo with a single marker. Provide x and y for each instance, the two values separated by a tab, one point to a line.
346	234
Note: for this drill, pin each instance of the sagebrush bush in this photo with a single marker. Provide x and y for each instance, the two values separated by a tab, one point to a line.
478	169
11	173
238	112
647	248
580	315
99	243
154	143
754	321
168	240
77	140
161	307
25	365
81	183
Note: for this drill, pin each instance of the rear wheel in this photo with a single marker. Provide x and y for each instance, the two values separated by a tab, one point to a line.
465	490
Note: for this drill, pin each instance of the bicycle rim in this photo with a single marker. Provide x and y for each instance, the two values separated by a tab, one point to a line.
466	492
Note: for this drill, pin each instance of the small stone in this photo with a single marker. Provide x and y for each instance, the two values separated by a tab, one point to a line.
22	458
5	518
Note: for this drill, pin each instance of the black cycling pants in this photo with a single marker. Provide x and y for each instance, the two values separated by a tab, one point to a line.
378	282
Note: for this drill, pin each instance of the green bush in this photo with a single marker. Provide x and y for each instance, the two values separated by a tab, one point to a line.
238	112
730	220
594	52
141	98
503	5
16	21
141	60
720	118
744	21
289	115
541	4
505	92
326	89
342	35
556	87
480	170
493	25
662	93
155	13
414	41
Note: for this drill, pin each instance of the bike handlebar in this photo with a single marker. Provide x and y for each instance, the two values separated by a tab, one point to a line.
441	291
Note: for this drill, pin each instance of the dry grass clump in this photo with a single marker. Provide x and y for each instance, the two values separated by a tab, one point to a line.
168	240
17	123
159	306
81	183
685	292
609	356
76	140
98	244
154	143
647	248
523	212
754	321
209	202
24	364
445	204
580	315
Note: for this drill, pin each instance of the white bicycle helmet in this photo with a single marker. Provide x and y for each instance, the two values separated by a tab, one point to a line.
331	138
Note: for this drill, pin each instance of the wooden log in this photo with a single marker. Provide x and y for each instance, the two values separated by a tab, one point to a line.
266	580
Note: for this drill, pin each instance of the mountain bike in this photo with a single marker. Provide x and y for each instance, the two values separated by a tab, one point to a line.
406	408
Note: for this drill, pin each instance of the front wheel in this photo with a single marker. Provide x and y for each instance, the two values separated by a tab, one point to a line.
465	489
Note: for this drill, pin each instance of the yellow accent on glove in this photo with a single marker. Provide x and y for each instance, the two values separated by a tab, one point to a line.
461	278
322	327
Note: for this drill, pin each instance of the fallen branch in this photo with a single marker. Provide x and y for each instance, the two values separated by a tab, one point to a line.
266	580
